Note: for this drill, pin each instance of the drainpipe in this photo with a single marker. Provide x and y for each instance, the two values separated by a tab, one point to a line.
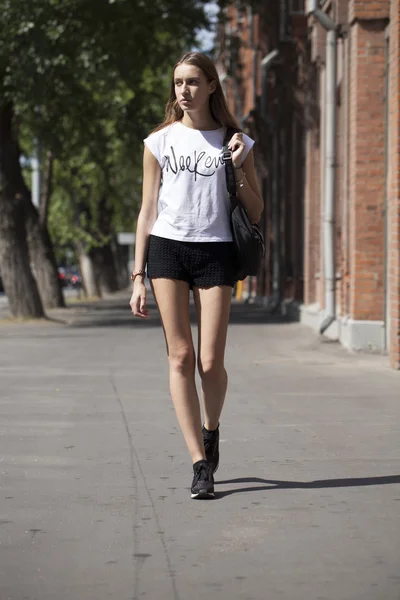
330	161
346	108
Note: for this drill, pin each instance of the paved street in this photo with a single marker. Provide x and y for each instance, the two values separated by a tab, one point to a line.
94	499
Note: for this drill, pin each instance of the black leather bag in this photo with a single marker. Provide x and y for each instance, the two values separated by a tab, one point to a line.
248	238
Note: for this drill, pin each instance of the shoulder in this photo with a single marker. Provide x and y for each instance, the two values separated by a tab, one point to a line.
157	141
161	134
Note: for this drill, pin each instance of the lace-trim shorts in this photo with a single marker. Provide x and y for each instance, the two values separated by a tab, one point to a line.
201	264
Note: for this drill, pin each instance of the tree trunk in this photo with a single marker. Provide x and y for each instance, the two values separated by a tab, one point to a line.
19	283
106	275
99	265
40	245
41	252
43	259
47	189
103	257
90	284
121	262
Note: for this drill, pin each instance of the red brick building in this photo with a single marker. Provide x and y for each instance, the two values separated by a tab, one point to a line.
317	85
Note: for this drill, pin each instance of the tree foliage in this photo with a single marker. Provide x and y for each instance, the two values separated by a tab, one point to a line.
88	79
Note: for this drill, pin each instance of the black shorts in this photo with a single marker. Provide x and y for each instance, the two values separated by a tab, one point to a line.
201	264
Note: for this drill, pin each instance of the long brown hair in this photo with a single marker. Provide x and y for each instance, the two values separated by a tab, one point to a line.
218	105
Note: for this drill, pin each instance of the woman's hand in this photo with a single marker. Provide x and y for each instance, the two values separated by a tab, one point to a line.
237	146
138	300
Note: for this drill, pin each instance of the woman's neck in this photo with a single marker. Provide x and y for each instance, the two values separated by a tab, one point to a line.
197	120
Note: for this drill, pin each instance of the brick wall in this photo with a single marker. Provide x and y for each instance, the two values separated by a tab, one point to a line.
318	39
246	62
367	170
394	188
370	9
367	287
280	168
342	11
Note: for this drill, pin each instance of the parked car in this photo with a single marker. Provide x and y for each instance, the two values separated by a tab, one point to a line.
69	276
75	280
62	276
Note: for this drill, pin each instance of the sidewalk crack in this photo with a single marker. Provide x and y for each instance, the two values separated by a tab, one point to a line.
134	458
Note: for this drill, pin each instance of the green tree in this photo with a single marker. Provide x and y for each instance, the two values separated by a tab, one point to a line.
74	74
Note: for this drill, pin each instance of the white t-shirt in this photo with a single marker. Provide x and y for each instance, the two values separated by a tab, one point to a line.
193	203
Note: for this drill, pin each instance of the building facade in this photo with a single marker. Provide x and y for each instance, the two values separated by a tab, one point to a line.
317	85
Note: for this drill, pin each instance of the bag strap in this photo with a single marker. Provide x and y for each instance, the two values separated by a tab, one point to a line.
229	168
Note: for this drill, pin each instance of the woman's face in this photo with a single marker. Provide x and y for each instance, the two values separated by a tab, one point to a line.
192	89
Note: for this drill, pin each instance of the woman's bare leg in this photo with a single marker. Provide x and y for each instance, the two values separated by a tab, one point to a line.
172	298
213	306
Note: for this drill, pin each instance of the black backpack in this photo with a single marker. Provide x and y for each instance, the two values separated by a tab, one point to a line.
248	238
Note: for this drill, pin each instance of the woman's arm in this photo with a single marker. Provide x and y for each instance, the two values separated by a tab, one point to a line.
148	211
249	193
146	219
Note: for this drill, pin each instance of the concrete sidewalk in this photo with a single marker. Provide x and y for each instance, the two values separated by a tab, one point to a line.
94	499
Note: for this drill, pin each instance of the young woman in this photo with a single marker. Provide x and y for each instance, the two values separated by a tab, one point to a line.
184	236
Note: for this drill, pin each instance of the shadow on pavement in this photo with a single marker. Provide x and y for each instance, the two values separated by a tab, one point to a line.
273	484
117	314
